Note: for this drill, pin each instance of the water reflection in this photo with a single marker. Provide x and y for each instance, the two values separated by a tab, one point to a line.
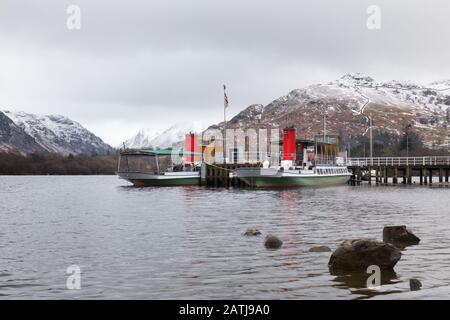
356	282
187	242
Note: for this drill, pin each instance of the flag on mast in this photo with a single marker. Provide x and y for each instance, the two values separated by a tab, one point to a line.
225	98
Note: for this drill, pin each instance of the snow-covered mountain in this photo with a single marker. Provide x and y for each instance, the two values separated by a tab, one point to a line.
47	133
348	101
149	138
143	139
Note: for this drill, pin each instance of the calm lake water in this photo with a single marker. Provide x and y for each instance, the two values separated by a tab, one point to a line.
187	242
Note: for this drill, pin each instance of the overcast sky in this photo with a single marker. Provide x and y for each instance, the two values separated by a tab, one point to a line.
136	64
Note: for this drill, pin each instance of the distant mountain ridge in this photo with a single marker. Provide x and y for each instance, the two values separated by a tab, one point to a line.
171	137
347	102
27	133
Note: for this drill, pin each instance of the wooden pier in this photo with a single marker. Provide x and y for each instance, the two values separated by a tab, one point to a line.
219	175
400	170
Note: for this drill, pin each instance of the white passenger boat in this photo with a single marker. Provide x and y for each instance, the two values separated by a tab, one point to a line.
294	177
156	168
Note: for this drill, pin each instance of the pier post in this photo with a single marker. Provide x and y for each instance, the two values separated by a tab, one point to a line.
381	175
431	176
409	175
226	177
447	175
395	177
370	175
441	175
208	175
377	175
385	175
404	176
421	176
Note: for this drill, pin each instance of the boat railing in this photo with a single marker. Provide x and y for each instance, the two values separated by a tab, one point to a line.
400	161
254	157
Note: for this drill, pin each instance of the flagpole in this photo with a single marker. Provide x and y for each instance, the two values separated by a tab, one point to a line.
224	126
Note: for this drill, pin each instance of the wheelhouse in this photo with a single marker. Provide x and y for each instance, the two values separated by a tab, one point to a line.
157	161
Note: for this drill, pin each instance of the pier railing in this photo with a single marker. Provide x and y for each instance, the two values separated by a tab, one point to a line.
399	161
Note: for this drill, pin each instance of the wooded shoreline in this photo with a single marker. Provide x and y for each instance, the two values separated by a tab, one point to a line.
12	164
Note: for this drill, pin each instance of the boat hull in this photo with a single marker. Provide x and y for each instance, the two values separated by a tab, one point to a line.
152	180
259	179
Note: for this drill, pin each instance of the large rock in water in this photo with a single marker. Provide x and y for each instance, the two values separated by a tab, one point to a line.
273	242
399	235
358	254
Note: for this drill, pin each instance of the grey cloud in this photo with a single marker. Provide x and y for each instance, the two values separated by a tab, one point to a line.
158	62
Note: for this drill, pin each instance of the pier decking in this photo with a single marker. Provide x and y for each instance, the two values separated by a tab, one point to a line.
400	169
219	175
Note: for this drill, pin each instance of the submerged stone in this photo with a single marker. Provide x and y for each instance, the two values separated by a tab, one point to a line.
415	284
320	249
273	242
252	232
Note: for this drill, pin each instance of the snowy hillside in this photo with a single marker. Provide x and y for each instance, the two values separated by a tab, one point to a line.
348	101
142	139
148	138
57	134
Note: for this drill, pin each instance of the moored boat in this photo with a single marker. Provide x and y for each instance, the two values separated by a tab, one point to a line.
281	177
300	165
157	168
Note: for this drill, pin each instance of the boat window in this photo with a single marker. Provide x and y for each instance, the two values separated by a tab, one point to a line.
146	163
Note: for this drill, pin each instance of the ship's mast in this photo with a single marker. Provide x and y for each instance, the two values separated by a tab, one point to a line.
371	136
324	136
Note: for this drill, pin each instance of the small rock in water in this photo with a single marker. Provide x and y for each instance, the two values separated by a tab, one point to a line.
358	254
320	249
415	284
273	242
252	232
399	235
